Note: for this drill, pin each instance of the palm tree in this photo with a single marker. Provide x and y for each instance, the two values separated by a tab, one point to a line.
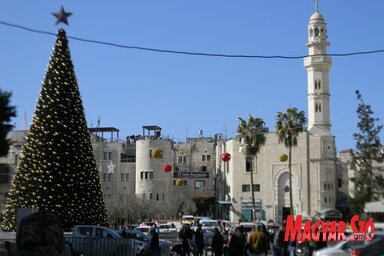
252	136
288	126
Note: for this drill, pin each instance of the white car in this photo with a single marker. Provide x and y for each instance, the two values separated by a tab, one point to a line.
144	229
167	228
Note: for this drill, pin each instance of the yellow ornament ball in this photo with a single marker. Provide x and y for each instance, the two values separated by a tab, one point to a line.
157	153
283	158
179	182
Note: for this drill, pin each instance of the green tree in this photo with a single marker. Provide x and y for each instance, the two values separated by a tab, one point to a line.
251	136
57	170
369	183
6	113
288	127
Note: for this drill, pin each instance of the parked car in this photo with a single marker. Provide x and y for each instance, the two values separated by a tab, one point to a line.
167	228
98	240
374	248
345	248
165	245
144	229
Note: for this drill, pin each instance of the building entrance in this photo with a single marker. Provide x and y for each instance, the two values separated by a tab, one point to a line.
286	212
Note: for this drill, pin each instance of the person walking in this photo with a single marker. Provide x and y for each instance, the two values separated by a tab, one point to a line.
186	235
237	242
217	243
199	240
154	245
257	242
278	242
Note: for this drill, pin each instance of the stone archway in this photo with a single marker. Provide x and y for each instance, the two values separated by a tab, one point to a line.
281	183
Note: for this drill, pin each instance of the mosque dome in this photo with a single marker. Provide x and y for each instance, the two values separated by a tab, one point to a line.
316	17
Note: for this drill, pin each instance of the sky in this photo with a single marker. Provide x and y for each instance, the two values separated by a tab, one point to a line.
130	88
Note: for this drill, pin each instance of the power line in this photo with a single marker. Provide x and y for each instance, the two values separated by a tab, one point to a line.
205	54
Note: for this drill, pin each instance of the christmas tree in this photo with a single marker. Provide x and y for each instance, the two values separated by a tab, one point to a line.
57	170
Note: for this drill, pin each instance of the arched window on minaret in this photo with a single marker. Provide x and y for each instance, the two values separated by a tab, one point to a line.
316	107
319	84
319	107
315	84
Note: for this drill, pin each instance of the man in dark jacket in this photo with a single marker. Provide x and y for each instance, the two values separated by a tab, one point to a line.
199	240
217	243
154	245
186	235
237	242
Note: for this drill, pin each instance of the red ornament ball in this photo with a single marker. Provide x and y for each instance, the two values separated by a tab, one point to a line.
167	168
225	157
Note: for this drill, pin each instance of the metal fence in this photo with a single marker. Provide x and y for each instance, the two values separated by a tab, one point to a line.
90	246
100	246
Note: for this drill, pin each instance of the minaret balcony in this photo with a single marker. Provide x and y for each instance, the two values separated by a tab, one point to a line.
317	60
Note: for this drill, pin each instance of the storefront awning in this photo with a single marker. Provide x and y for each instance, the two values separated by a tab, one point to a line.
224	202
377	206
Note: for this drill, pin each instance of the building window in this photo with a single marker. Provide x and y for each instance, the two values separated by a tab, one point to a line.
141	175
208	157
256	187
199	184
182	159
203	158
122	175
126	176
228	189
157	197
325	187
16	159
339	183
248	164
325	200
150	196
163	197
329	186
109	176
104	177
107	156
203	168
145	175
185	183
246	188
151	175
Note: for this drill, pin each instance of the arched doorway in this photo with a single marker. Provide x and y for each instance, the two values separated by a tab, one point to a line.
282	186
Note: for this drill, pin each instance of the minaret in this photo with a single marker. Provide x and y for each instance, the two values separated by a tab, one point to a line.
318	65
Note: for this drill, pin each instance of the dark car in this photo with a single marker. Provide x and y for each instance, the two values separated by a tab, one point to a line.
371	249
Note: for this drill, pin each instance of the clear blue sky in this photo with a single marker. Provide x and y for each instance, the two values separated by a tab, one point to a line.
183	94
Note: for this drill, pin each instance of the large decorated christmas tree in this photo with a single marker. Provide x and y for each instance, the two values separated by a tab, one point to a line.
57	170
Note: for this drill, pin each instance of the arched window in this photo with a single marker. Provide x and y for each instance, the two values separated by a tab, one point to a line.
319	107
319	84
316	107
315	84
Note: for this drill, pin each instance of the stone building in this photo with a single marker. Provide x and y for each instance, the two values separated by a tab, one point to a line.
315	178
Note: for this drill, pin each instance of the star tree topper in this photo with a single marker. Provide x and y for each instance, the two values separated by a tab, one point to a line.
62	16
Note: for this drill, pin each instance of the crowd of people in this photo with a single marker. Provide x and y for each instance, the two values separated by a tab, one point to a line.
236	242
